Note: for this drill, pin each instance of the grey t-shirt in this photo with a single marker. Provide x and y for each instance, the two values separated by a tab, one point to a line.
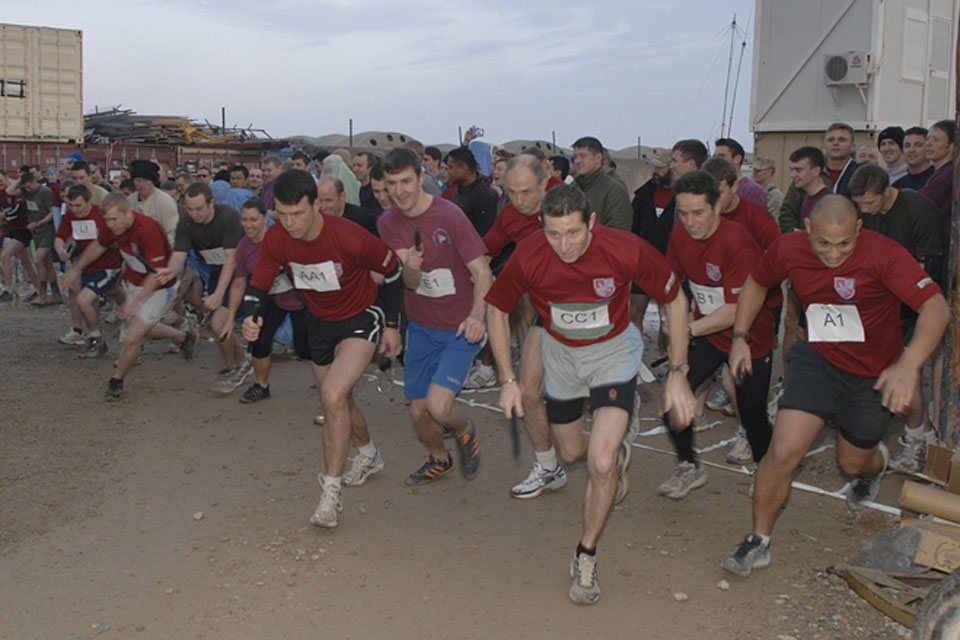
211	239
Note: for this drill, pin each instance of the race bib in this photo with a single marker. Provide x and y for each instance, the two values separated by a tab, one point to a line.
709	299
281	284
437	284
133	262
32	206
316	277
84	229
214	257
834	323
581	321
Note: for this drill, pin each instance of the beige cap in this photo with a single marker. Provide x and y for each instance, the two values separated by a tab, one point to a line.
662	158
760	163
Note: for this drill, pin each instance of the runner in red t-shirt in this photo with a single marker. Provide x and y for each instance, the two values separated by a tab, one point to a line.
850	284
329	260
715	257
15	241
143	246
80	226
578	275
446	274
764	230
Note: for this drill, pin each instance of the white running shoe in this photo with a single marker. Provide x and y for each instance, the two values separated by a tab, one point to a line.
481	376
73	339
740	452
327	514
685	479
362	468
540	480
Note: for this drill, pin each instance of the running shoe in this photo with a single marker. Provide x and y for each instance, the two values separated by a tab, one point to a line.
687	477
623	465
740	452
749	555
583	570
6	296
319	418
327	513
481	376
699	423
114	390
96	348
72	338
225	376
540	480
865	489
189	345
448	432
255	393
430	471
38	300
469	446
362	468
720	401
913	457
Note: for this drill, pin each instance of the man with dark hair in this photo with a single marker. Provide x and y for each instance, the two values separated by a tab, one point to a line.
850	283
715	257
333	202
429	183
806	172
271	166
362	163
890	144
378	187
300	160
913	220
239	191
329	263
561	167
607	197
839	145
144	248
474	197
919	169
446	275
940	152
255	181
239	175
431	162
16	239
212	231
151	201
577	275
204	174
39	203
81	174
731	150
80	226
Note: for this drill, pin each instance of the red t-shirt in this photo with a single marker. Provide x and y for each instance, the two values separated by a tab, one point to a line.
332	271
554	181
853	311
587	301
144	242
14	211
834	173
510	226
761	226
87	230
661	198
450	192
809	201
445	295
716	269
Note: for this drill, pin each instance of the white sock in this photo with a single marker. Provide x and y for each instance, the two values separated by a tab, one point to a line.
914	434
547	459
94	333
331	481
764	539
369	449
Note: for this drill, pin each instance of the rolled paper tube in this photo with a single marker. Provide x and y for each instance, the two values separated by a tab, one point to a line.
923	499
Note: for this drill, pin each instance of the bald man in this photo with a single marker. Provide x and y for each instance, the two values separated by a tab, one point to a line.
850	283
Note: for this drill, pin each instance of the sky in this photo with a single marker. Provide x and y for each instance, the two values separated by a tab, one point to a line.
521	70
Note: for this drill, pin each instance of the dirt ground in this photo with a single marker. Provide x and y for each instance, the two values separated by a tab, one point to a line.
99	535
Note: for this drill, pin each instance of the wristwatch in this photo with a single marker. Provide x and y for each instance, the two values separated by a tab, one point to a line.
740	334
681	368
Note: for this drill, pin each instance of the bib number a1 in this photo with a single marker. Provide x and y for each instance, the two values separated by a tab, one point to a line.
834	323
315	277
437	284
709	299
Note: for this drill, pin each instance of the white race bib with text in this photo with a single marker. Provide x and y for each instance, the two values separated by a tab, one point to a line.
709	299
317	277
84	229
437	284
834	323
214	257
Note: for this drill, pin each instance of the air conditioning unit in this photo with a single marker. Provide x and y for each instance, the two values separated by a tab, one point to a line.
851	67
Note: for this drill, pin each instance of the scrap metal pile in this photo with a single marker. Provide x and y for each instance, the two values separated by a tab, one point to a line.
126	126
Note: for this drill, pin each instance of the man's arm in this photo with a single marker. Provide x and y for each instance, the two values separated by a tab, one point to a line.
752	297
718	320
790	209
93	251
412	262
174	267
226	274
474	325
676	392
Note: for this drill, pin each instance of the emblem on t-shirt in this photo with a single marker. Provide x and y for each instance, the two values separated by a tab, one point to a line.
440	236
604	287
338	268
846	287
713	272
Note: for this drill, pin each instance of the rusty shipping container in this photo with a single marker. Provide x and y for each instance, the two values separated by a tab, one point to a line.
41	84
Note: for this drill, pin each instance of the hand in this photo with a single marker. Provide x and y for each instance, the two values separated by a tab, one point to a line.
212	301
468	136
473	328
740	359
225	332
678	398
129	310
164	275
390	343
510	400
414	258
898	383
31	226
251	329
63	255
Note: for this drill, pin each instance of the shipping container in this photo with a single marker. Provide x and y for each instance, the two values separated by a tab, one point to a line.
41	83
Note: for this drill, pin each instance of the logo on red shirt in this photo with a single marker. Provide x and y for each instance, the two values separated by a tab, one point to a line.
338	268
713	272
604	287
440	236
846	287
